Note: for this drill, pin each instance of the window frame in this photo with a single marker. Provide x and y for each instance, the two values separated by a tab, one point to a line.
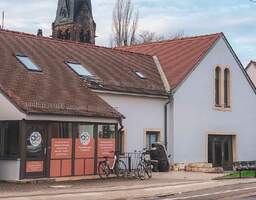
77	63
26	67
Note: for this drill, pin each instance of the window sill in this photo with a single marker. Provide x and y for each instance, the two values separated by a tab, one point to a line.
8	158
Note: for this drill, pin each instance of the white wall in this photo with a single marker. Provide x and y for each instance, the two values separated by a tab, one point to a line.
141	113
8	110
9	170
194	113
251	70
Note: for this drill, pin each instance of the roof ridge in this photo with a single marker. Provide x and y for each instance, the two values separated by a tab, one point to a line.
172	40
30	35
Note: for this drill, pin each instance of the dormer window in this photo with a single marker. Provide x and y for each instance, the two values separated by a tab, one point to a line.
79	69
28	63
139	74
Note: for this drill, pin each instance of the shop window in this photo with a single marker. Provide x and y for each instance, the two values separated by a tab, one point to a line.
85	130
9	139
107	131
61	130
151	138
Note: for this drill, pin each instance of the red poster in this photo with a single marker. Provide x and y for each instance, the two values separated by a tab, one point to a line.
106	147
61	148
34	166
84	150
61	155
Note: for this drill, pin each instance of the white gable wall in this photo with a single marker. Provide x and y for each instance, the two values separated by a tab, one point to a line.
195	116
142	113
8	110
251	70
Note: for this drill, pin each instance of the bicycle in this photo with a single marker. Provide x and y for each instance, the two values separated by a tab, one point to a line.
144	167
118	167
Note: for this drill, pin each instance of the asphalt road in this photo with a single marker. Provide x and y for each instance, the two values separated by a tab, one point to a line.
233	192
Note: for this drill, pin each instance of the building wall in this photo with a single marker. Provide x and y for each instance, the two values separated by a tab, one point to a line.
251	70
9	170
8	110
195	115
142	113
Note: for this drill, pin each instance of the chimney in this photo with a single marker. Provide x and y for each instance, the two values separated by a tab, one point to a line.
40	33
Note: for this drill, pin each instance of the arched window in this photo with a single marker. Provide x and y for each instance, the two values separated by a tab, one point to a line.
226	88
218	86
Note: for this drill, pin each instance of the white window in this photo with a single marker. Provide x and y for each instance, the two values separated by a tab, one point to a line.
79	69
28	63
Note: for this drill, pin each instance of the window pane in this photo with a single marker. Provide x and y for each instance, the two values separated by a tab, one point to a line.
85	128
61	130
9	139
217	86
28	63
106	131
227	88
139	74
79	69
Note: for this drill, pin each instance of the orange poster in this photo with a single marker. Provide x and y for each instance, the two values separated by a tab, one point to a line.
84	150
34	166
106	147
61	148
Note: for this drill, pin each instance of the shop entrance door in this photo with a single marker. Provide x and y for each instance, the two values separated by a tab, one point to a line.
220	152
36	164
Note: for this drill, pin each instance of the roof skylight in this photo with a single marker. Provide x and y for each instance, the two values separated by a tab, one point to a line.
28	63
139	74
79	69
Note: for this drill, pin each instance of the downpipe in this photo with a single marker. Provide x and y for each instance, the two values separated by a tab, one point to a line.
170	98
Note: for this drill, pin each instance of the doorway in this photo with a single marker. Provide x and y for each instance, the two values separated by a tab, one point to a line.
220	151
36	148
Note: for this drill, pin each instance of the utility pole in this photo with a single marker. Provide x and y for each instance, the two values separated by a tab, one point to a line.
2	26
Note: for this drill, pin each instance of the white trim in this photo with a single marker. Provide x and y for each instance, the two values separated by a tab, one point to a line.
68	118
162	74
128	94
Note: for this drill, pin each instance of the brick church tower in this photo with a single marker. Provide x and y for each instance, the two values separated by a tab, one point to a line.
74	21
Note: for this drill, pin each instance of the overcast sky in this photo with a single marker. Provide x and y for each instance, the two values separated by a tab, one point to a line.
236	18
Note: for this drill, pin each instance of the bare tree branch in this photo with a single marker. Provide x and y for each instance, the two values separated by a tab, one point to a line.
125	23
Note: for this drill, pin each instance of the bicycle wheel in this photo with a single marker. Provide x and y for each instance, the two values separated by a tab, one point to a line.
149	170
141	172
120	168
103	170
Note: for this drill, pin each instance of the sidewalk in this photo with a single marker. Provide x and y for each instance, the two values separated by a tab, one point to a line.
160	185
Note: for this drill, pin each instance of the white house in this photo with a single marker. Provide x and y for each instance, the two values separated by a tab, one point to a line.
251	70
213	100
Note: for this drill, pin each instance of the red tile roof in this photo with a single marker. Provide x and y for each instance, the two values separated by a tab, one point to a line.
178	57
55	90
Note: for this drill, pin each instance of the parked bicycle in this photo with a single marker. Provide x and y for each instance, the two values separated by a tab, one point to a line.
118	167
144	168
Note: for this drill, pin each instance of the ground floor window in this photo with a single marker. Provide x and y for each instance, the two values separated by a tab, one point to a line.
151	138
9	139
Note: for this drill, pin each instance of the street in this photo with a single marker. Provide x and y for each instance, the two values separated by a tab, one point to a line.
163	186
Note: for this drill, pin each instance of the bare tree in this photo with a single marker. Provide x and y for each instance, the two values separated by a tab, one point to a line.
147	37
125	23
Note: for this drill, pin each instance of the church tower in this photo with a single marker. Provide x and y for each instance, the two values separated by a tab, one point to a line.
74	21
